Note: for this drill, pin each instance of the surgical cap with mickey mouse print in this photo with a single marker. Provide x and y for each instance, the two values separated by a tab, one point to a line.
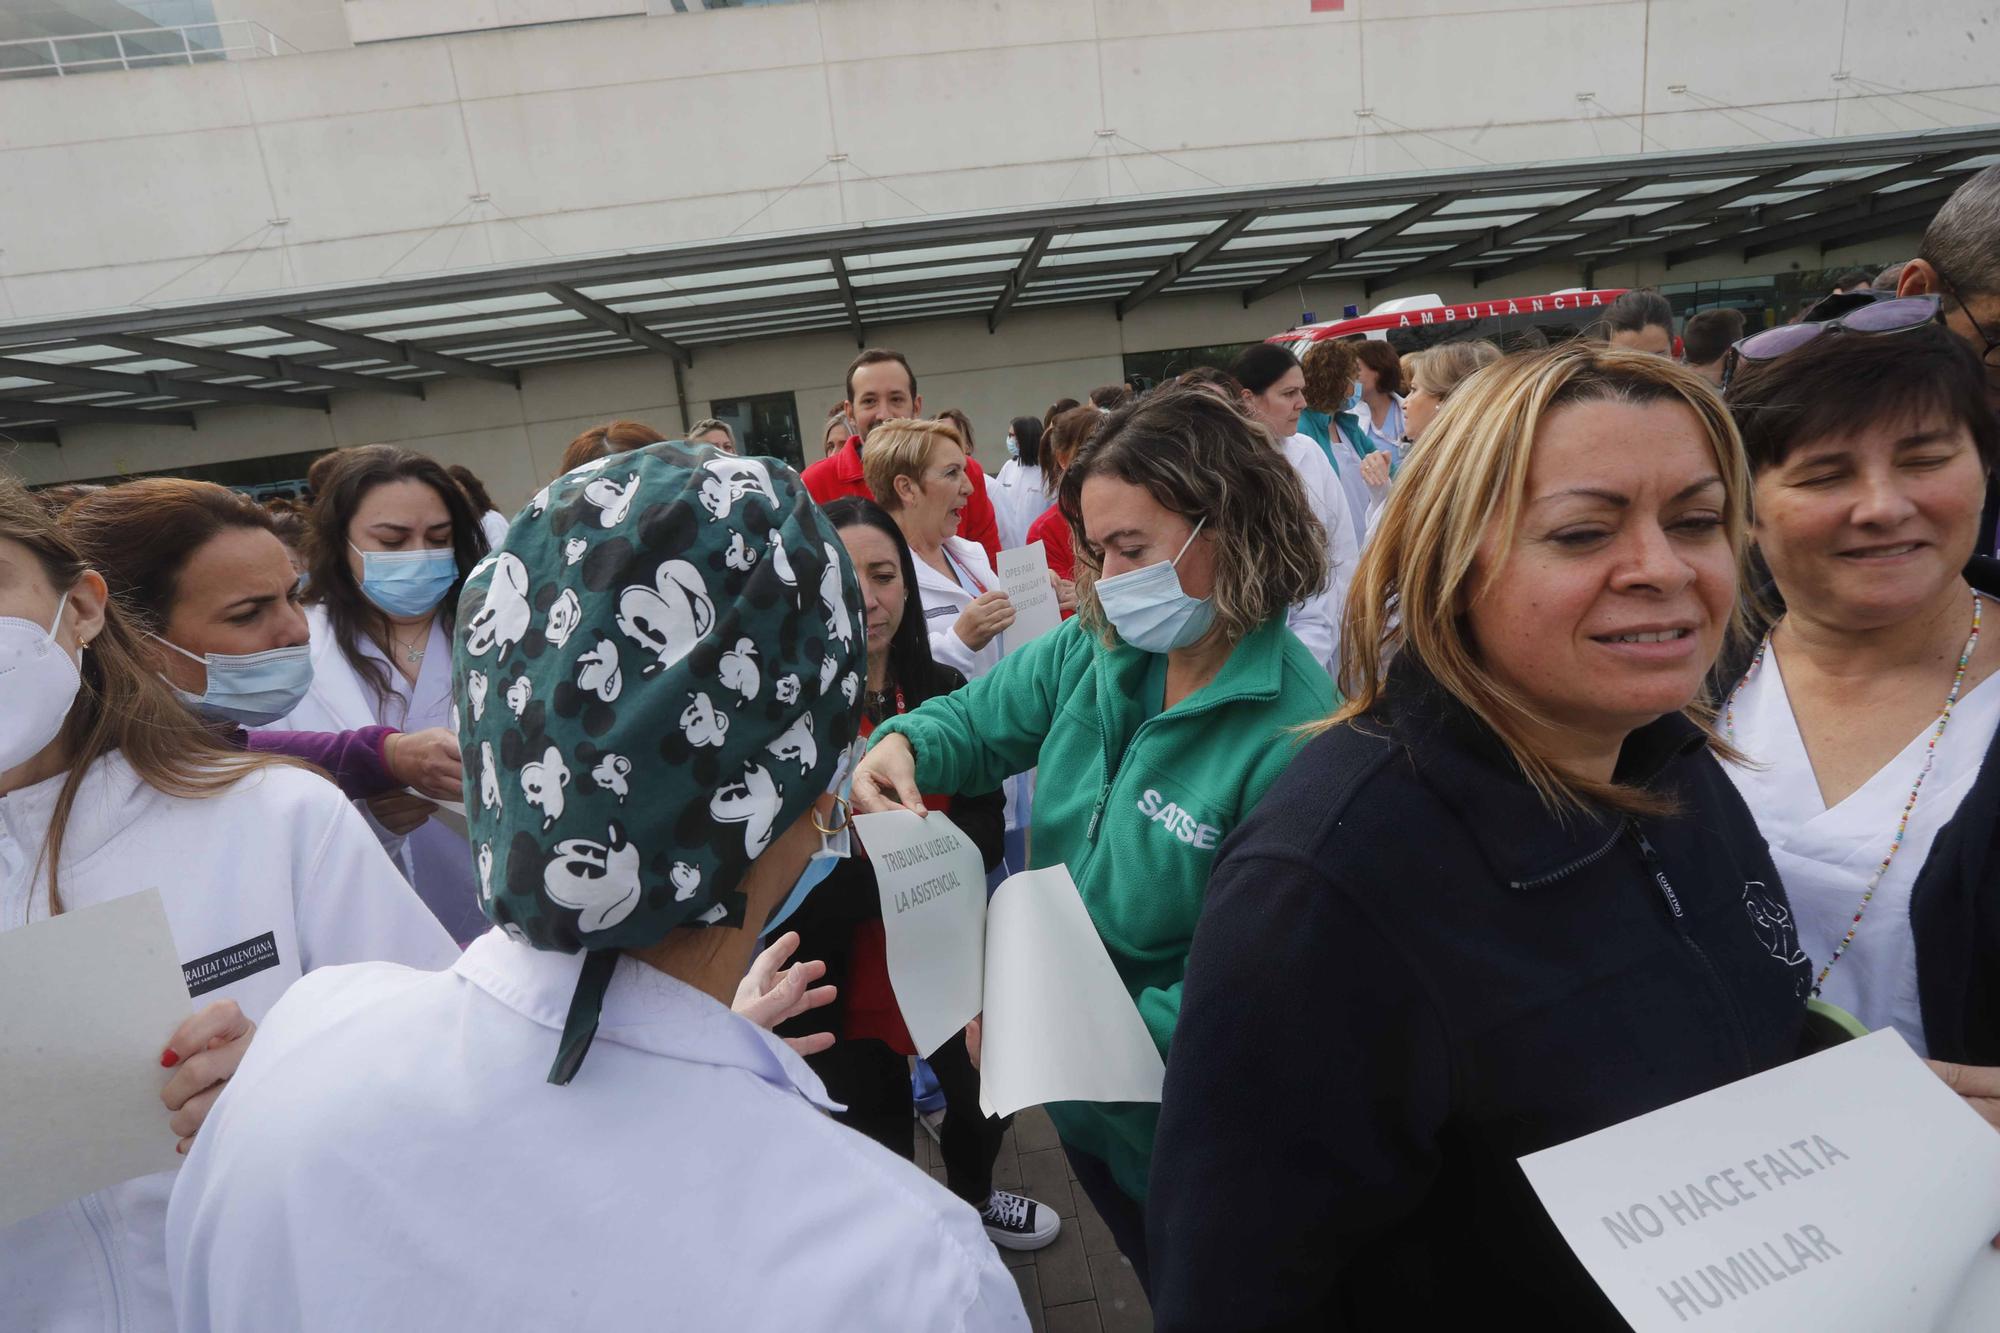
656	672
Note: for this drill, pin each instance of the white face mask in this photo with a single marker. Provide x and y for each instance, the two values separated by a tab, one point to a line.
39	681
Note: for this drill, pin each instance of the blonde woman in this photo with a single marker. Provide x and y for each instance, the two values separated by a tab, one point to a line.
916	471
1505	898
1433	376
1168	703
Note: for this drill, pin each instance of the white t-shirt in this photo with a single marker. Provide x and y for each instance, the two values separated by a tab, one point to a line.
278	862
1826	856
391	1156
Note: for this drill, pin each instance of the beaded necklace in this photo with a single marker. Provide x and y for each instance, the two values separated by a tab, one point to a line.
1903	822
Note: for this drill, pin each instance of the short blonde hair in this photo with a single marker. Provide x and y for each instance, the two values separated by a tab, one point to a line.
1418	572
901	448
1444	367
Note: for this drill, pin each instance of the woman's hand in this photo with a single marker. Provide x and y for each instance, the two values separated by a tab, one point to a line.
400	811
990	613
1979	1085
770	993
974	1038
1065	593
203	1053
428	761
1375	469
886	778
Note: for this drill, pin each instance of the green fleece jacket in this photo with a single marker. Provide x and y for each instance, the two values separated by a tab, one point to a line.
1134	805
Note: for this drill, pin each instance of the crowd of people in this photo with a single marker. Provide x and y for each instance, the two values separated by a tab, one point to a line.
1551	734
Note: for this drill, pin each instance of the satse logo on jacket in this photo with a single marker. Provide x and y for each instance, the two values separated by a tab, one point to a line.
1177	821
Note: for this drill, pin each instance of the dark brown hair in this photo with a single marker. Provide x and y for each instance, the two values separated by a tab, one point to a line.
141	535
334	586
964	424
1382	359
122	704
613	437
875	356
474	488
1060	442
1639	308
1330	372
1056	409
1111	397
1840	383
1203	459
1710	334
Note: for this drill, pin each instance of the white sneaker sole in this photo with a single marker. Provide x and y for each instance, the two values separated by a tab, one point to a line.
1014	1240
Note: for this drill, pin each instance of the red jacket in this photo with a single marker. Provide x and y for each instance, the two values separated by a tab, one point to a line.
1052	531
840	474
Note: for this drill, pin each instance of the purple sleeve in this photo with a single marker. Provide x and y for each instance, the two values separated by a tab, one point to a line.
356	760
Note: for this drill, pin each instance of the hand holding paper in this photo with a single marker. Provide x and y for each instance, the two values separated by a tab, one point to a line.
1056	1021
80	1106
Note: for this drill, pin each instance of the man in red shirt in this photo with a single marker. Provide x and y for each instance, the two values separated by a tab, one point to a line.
882	387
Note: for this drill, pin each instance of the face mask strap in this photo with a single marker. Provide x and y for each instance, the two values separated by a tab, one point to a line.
62	604
1189	542
160	638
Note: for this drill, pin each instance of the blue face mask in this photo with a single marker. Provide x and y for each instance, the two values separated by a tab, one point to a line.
834	847
1013	447
250	689
407	583
1149	608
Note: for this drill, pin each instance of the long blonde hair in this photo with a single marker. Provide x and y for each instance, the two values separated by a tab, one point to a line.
1418	573
123	704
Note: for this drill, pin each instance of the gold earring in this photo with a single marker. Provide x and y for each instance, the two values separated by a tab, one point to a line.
846	817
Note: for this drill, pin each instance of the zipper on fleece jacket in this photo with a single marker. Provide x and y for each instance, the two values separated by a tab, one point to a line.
1651	857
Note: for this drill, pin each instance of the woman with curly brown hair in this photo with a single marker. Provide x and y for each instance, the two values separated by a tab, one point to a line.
1177	683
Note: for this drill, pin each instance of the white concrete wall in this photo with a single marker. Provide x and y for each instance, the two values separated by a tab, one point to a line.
513	438
159	185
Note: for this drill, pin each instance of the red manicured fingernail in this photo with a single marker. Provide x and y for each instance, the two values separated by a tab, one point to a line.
168	1059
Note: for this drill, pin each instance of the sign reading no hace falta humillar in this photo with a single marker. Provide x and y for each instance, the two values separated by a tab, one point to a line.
1848	1191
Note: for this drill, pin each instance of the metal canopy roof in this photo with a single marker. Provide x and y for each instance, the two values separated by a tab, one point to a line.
291	349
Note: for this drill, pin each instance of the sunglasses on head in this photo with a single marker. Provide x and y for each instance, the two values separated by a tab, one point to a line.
1897	315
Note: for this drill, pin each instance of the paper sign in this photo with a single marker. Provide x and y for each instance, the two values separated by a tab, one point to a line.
87	1002
1024	572
1059	1024
1851	1190
451	814
932	881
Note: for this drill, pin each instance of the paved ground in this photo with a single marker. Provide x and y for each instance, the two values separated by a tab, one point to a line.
1080	1283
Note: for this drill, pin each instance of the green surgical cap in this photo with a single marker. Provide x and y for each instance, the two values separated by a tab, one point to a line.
656	673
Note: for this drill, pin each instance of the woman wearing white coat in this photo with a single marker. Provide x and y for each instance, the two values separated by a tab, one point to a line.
1020	489
109	786
916	471
392	537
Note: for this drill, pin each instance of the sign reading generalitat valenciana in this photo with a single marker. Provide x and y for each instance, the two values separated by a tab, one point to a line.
1849	1190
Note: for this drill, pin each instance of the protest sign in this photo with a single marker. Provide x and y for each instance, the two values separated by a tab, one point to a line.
1024	573
1848	1190
87	1002
1059	1024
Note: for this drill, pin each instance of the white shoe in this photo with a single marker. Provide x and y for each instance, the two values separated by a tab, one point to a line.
1016	1222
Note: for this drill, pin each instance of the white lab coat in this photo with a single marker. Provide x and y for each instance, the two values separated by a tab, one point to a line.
278	854
1019	493
494	524
945	599
436	860
390	1156
1317	620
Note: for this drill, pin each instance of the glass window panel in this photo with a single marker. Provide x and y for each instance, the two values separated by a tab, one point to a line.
1135	235
708	278
861	280
1000	248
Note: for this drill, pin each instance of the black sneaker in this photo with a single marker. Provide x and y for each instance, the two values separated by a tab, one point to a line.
1016	1222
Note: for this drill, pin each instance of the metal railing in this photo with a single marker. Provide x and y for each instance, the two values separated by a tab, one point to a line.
139	48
